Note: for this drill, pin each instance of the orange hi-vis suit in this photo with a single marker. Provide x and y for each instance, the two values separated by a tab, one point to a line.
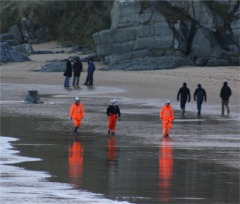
76	113
113	113
167	116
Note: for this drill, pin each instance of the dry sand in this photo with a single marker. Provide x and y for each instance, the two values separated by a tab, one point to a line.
150	87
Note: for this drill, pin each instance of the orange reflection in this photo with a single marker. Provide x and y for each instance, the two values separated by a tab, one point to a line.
112	148
165	169
75	160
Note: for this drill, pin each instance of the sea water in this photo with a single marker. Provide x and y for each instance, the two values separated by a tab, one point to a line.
21	186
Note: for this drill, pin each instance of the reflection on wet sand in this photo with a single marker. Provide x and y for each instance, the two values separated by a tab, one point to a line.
75	160
165	169
112	152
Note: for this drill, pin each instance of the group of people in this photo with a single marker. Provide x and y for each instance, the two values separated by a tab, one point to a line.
200	95
166	114
76	114
74	68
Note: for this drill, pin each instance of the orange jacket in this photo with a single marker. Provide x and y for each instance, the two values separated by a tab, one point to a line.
167	114
76	111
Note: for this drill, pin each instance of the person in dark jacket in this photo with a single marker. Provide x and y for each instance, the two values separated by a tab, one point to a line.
77	69
200	95
113	113
185	96
91	69
225	94
68	72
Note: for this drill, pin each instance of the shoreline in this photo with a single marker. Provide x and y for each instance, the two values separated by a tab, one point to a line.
201	145
29	185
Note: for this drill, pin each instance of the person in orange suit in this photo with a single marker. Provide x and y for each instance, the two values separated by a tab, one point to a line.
76	114
167	116
75	160
165	169
113	113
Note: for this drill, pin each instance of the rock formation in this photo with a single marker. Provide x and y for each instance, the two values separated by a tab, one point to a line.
166	34
33	97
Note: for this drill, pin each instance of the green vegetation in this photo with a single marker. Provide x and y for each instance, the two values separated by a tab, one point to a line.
73	21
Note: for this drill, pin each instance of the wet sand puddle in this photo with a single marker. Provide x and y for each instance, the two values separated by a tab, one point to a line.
199	163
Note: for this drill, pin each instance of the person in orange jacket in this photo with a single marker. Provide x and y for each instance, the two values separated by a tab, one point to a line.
113	113
167	116
76	114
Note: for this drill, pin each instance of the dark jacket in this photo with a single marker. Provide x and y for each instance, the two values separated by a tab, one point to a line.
91	67
185	93
113	110
68	71
225	92
77	68
200	93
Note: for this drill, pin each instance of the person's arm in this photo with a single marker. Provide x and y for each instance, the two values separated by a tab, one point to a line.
230	91
172	113
194	96
221	93
179	92
107	112
189	95
118	112
161	113
71	112
83	112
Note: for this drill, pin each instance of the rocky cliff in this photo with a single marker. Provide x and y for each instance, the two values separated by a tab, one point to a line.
152	34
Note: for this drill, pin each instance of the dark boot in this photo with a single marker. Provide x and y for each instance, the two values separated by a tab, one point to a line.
75	131
90	83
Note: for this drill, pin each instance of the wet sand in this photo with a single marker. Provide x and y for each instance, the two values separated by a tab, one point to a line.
198	164
197	167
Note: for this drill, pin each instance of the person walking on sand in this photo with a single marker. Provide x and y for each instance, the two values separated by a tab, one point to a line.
225	94
77	69
68	72
76	114
91	69
167	117
200	95
113	113
185	96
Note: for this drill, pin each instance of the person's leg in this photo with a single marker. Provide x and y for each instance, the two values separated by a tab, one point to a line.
67	79
199	103
90	78
87	79
223	104
164	129
182	105
169	128
226	103
77	124
74	79
112	120
77	82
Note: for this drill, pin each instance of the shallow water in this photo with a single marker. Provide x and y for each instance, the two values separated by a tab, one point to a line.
22	186
198	164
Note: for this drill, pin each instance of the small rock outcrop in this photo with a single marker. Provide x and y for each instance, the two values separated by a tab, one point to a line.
174	32
33	97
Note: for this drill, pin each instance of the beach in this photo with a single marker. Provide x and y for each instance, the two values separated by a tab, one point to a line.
203	153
